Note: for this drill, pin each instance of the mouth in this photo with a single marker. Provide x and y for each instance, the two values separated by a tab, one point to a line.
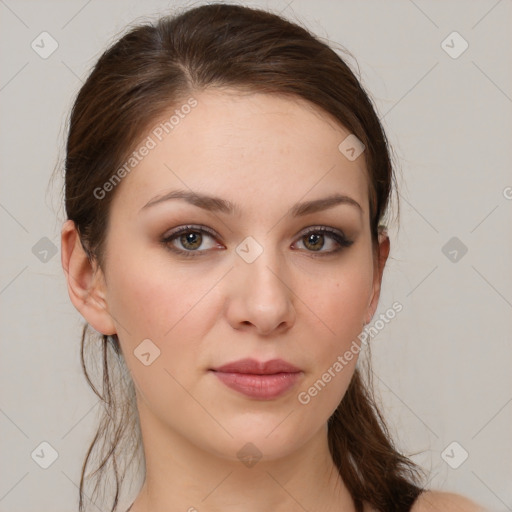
259	380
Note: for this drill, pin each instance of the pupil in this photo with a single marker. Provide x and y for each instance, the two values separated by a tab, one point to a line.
315	241
191	240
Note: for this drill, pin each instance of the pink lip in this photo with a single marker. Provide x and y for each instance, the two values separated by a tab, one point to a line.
261	380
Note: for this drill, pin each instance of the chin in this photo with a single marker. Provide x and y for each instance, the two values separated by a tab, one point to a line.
260	439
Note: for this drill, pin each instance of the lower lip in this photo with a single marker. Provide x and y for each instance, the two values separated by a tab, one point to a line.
263	387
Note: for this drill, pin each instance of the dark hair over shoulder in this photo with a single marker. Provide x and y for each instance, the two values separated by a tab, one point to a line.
155	66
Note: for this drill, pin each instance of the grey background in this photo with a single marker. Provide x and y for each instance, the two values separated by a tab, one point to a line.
442	365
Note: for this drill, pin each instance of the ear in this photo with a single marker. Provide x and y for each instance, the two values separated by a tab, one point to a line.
378	270
86	283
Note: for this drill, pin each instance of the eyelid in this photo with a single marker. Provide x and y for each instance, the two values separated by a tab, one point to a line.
190	227
322	229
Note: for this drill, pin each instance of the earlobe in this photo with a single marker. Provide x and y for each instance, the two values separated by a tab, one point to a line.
86	285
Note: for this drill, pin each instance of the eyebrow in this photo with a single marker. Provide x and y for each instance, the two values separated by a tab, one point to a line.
216	204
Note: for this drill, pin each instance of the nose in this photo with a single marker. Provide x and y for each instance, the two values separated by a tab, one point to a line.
259	297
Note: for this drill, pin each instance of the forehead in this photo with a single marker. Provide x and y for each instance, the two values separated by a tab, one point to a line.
249	148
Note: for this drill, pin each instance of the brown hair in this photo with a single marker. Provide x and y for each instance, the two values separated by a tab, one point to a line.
155	66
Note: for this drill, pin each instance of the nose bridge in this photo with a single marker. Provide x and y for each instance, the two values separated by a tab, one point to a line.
261	267
262	296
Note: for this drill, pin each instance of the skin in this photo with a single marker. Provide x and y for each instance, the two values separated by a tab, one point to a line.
265	153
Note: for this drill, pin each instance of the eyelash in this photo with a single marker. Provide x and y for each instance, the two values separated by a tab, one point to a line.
338	237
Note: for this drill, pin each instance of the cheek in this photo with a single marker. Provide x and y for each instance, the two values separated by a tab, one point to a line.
348	299
140	302
174	310
152	298
340	304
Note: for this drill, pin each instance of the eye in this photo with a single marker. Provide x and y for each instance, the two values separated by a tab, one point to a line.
324	240
190	240
199	240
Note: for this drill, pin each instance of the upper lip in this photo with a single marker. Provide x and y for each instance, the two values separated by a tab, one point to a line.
252	366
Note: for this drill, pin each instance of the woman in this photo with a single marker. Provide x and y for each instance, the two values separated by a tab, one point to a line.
226	179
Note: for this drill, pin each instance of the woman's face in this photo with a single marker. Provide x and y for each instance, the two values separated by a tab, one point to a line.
252	277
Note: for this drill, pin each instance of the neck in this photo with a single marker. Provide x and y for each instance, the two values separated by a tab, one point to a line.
181	476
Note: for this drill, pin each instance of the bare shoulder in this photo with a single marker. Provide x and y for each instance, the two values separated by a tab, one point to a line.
434	501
